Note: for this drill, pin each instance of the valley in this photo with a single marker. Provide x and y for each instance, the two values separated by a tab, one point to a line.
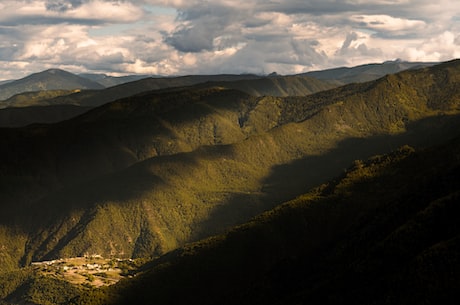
289	189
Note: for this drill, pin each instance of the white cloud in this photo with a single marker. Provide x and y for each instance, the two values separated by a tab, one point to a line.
118	11
222	36
385	23
92	11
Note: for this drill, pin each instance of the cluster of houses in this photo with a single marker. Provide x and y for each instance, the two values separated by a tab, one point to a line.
78	263
90	270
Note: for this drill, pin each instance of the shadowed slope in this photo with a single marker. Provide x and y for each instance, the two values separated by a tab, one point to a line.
368	72
384	233
18	117
211	158
115	136
254	85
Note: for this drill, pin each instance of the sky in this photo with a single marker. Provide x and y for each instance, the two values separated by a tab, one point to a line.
180	37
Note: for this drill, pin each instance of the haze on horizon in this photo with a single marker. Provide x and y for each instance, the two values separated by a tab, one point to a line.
177	37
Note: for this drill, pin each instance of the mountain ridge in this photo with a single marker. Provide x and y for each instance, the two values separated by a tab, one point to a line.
367	72
120	87
50	79
343	242
281	86
379	233
241	149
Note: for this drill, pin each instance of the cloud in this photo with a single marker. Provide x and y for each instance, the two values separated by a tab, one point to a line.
388	26
222	36
61	5
90	12
201	26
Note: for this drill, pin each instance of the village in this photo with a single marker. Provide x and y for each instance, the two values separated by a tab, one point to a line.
94	270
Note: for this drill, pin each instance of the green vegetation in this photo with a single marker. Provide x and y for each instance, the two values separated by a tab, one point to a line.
34	98
29	107
385	232
25	286
147	174
64	281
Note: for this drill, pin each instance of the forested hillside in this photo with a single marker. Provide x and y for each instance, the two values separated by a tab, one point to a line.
29	107
385	232
147	174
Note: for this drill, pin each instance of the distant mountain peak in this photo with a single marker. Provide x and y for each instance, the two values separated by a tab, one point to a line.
54	71
51	79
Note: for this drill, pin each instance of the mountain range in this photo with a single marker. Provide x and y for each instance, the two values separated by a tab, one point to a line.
22	108
59	87
110	81
164	174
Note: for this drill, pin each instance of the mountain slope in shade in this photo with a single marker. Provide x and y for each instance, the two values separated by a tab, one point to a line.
296	85
386	232
143	175
18	117
251	84
53	79
6	81
366	72
280	86
95	98
110	81
256	85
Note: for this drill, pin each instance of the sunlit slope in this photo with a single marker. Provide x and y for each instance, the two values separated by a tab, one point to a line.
146	174
117	135
385	232
34	98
